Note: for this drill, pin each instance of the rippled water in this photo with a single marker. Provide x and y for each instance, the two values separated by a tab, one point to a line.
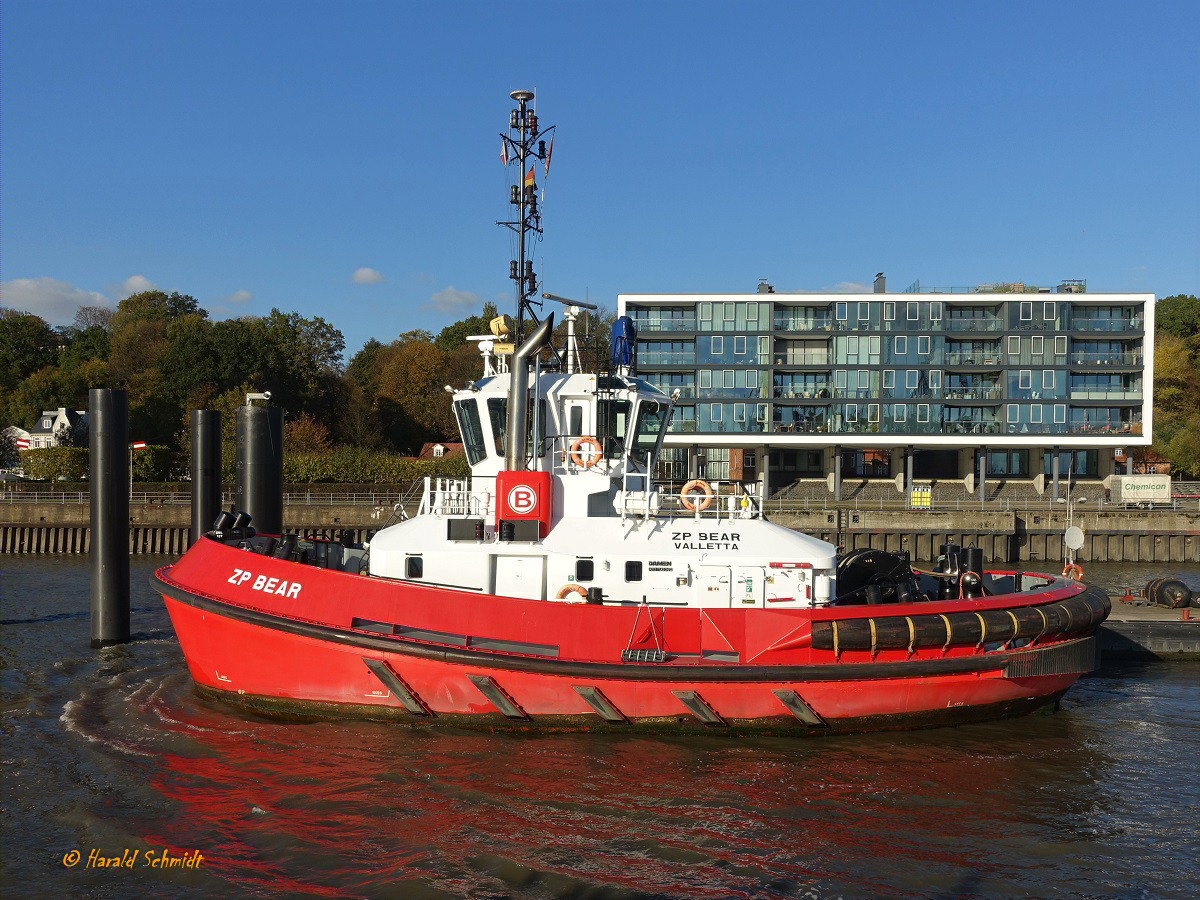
112	750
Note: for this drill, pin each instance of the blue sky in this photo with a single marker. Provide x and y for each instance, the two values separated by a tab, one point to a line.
258	154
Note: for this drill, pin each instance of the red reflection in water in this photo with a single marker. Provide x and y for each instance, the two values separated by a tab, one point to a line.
357	806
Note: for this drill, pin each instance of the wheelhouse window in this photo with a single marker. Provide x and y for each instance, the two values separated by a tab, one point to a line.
633	570
498	413
612	424
467	414
652	417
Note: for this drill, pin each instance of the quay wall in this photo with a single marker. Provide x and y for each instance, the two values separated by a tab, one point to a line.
1005	536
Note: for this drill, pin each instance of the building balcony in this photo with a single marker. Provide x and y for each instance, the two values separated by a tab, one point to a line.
803	324
974	358
1107	359
980	394
1135	396
664	324
648	358
802	359
820	392
972	323
1106	325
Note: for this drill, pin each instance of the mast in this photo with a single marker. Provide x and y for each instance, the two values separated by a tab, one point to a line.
525	145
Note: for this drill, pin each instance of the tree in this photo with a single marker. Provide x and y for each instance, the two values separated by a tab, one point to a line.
27	344
304	434
1178	315
411	400
93	317
455	335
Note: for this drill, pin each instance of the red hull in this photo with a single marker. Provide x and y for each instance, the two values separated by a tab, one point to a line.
479	659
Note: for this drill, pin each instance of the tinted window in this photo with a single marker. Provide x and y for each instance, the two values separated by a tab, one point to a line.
633	570
414	567
585	570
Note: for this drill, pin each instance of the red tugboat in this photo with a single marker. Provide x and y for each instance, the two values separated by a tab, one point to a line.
559	586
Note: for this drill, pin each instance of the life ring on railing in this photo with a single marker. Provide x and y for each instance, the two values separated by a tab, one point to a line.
577	452
1073	571
567	589
705	499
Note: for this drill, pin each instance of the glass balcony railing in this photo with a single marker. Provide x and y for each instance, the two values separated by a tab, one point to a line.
973	323
806	392
667	359
803	323
973	358
665	324
802	358
1106	325
1113	359
974	393
1105	395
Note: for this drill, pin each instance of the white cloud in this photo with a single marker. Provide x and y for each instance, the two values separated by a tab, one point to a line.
53	300
851	287
452	300
242	296
366	275
136	284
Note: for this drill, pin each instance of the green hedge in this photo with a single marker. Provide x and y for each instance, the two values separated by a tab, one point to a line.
345	465
56	463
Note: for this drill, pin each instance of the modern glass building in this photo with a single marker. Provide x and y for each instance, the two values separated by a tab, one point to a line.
936	384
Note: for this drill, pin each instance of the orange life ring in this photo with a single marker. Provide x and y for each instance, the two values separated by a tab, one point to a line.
705	500
1073	571
571	589
577	454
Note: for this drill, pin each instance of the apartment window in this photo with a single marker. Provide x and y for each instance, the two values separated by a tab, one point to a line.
1026	310
923	345
839	379
1060	345
872	412
739	345
922	412
752	316
1060	413
718	345
728	377
1014	414
762	412
910	378
1025	379
1049	310
841	310
1035	414
901	345
889	311
1038	345
739	412
1047	379
873	346
864	311
935	378
913	311
718	412
706	314
851	412
899	412
889	378
852	345
752	378
764	347
706	378
935	310
729	310
1014	345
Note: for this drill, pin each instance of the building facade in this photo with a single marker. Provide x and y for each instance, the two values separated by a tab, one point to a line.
939	384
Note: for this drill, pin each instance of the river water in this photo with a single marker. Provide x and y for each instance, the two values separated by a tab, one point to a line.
110	753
